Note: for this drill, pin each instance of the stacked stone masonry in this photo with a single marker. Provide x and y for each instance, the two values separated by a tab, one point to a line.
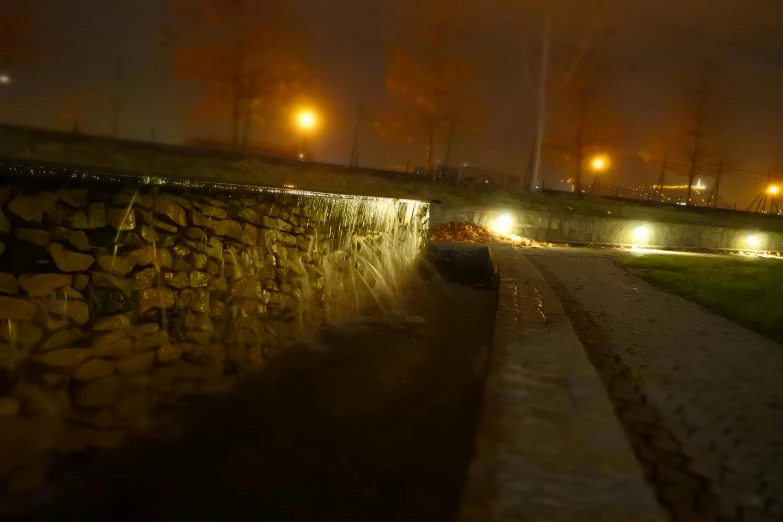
115	302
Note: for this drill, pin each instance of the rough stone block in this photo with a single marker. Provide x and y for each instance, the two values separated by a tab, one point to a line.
100	392
173	211
94	369
97	215
106	301
212	211
122	218
8	284
155	298
113	322
68	260
73	197
169	352
40	285
63	360
34	235
137	364
62	338
153	340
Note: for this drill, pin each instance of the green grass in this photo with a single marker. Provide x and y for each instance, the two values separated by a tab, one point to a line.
745	290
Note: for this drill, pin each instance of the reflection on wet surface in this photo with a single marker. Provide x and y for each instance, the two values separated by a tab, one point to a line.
374	422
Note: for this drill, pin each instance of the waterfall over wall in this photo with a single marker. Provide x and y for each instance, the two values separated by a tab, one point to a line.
120	293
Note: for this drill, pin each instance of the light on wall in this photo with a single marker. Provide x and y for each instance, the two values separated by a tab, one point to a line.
753	241
641	235
503	224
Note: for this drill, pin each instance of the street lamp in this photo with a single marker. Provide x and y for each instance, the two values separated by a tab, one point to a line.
773	190
5	79
306	120
598	164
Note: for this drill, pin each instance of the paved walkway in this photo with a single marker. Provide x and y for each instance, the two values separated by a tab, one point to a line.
701	398
549	447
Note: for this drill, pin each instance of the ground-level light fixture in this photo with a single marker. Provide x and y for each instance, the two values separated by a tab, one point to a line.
641	235
753	241
503	224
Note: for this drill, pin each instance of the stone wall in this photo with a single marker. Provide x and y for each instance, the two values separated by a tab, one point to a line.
576	228
118	300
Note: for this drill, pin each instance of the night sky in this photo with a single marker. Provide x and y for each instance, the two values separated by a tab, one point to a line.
649	56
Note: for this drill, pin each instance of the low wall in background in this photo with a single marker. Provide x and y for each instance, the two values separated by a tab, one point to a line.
574	228
119	296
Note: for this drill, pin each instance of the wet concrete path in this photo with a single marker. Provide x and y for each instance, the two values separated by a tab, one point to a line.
699	396
376	423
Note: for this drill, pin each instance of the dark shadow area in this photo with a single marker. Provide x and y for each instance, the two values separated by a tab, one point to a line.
375	422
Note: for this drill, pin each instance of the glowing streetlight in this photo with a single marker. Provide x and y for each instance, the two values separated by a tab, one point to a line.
5	79
598	163
306	119
773	190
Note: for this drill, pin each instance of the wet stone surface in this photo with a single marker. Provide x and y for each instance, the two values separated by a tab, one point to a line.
374	422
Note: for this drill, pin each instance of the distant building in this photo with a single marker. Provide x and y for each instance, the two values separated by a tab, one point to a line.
560	185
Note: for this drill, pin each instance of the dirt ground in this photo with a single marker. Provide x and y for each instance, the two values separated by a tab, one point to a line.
375	422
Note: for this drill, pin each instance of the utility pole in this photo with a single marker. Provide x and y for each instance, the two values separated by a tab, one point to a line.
448	146
528	170
698	129
595	182
117	104
659	187
541	113
766	191
354	163
716	188
580	142
431	151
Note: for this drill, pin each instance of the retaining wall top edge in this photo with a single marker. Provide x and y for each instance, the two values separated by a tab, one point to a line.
24	171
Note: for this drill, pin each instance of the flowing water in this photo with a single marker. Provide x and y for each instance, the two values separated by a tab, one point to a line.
375	421
369	416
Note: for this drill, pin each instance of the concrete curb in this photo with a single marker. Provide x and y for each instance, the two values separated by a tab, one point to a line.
548	446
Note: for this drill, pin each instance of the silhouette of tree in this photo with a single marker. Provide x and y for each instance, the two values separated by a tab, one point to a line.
583	124
698	135
243	54
432	79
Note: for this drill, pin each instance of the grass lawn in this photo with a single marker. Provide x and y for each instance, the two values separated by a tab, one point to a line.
745	290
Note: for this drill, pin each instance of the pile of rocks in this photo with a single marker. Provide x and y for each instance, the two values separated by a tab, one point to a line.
115	302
